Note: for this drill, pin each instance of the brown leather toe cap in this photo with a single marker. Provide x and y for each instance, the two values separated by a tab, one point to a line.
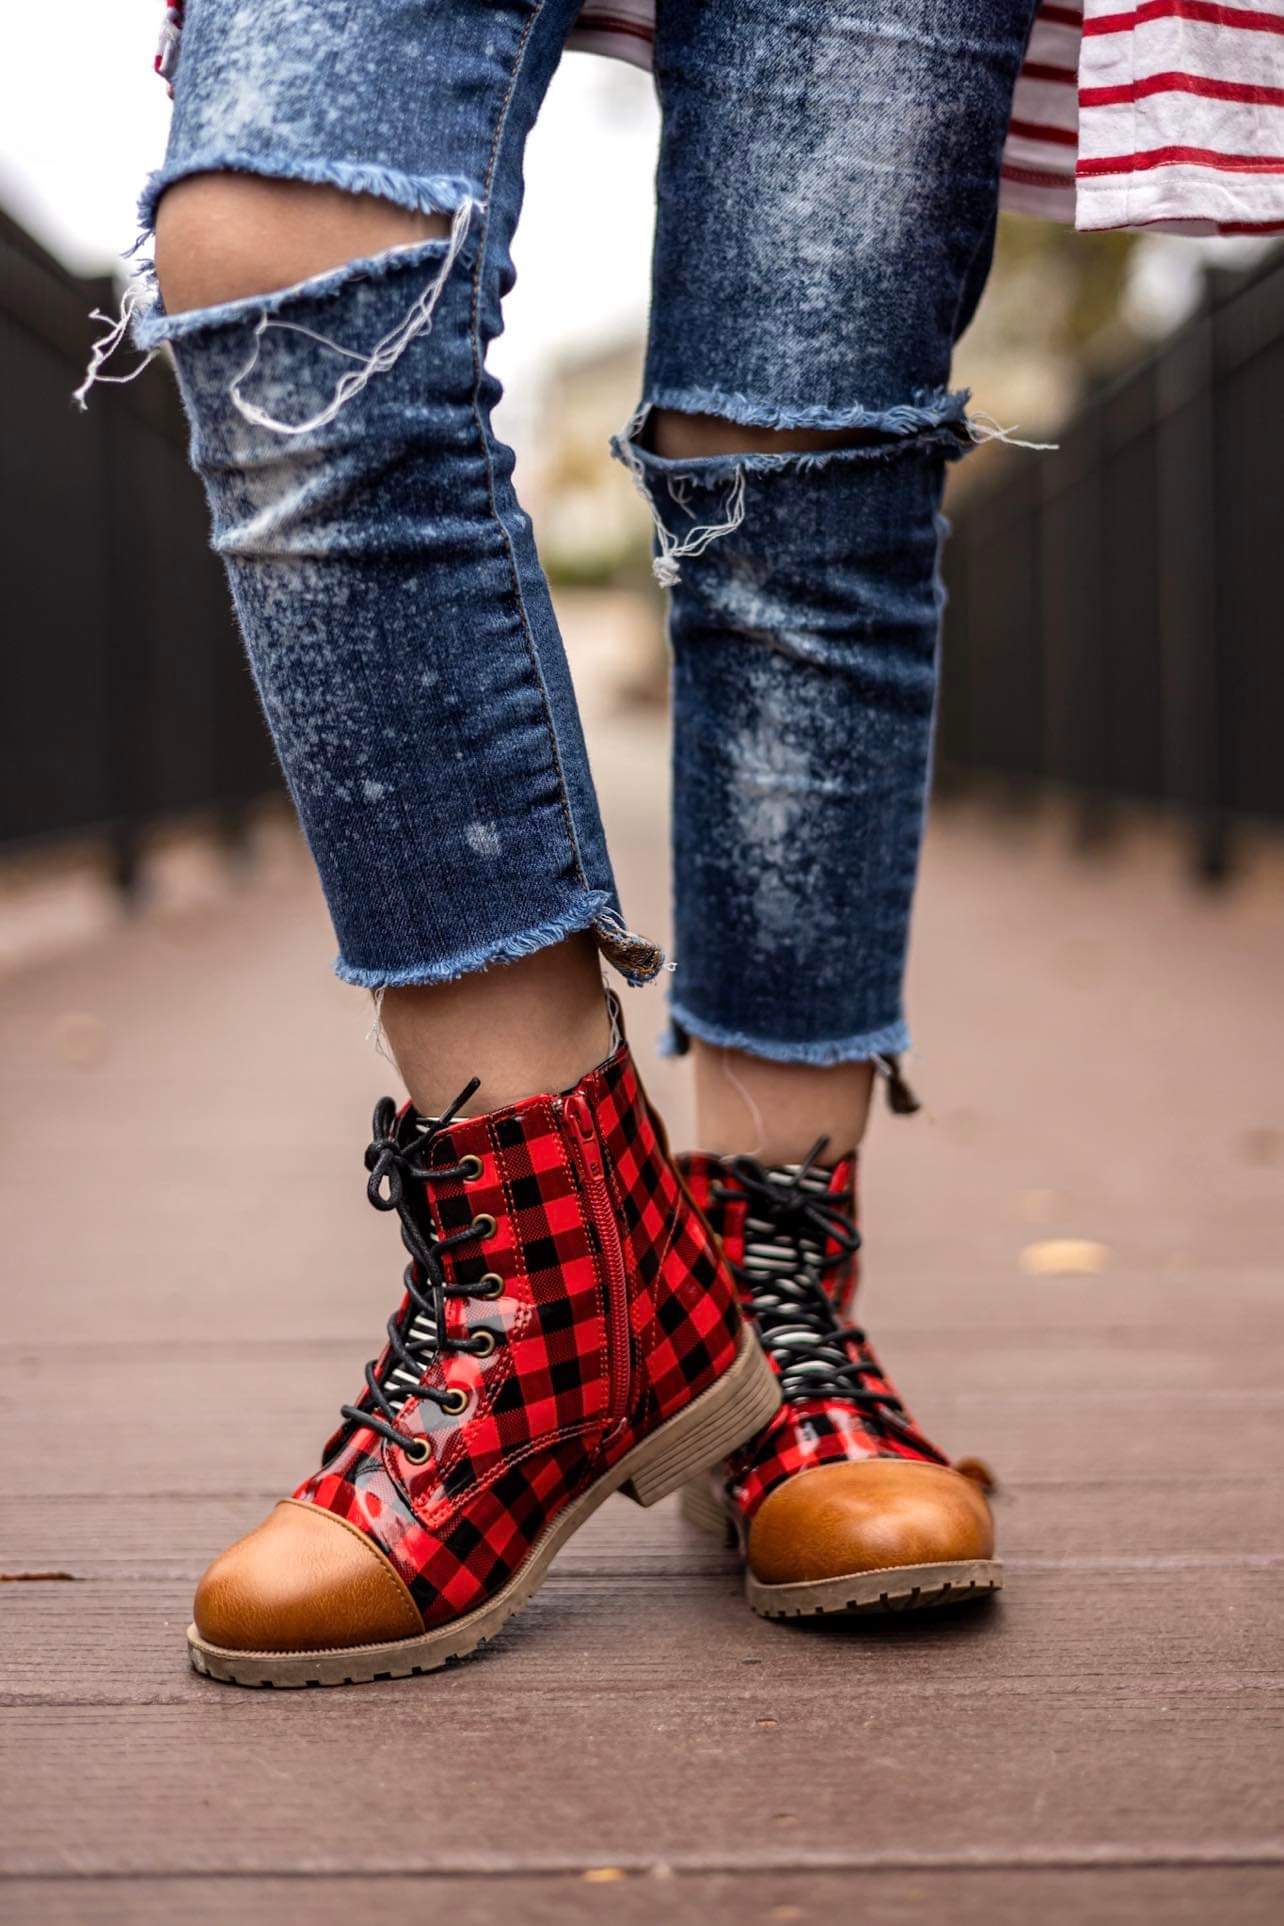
867	1516
303	1581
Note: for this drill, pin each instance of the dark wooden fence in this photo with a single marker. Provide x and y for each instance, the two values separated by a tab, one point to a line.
127	698
1115	624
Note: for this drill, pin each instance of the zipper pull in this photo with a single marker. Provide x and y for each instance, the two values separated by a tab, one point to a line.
577	1113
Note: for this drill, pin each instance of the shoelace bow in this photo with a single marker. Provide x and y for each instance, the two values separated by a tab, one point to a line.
784	1281
417	1330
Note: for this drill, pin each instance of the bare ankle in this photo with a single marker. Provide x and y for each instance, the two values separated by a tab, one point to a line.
537	1024
748	1105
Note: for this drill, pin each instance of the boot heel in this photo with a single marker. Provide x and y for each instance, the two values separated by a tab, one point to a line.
699	1508
719	1420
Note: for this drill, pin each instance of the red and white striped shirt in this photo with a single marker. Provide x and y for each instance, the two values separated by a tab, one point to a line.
1150	113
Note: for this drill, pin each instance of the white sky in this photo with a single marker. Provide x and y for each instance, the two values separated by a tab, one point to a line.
83	119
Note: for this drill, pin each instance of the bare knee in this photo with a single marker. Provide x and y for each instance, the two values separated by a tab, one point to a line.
222	237
682	437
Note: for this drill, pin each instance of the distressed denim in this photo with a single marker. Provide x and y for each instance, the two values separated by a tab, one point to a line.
827	193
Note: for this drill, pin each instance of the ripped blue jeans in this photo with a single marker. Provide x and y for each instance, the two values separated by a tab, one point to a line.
827	193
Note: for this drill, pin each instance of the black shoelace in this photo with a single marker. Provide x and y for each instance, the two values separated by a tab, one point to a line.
791	1220
417	1331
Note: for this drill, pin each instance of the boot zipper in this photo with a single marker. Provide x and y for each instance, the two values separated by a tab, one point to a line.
592	1168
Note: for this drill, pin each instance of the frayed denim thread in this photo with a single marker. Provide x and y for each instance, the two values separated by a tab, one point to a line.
703	470
154	325
924	410
912	429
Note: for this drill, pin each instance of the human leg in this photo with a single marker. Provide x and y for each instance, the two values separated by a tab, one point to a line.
567	1327
795	428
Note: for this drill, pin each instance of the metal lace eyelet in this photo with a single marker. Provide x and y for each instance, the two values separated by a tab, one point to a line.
492	1285
483	1341
470	1166
454	1402
417	1451
484	1225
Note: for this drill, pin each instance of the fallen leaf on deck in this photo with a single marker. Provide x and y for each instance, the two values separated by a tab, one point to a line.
1064	1257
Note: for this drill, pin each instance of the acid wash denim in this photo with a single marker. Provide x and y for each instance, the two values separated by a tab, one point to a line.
827	194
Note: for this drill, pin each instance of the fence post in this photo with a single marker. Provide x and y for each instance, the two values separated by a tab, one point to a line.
1190	695
124	643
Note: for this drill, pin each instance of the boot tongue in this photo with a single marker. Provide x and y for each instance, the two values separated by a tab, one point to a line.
816	1180
767	1252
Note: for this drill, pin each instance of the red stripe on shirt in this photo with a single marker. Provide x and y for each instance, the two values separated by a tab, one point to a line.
1038	70
1182	83
1179	156
612	23
1035	176
1036	130
1206	12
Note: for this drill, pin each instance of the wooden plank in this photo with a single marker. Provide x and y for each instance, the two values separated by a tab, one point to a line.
1210	1628
1131	1895
1027	1359
208	1425
239	1234
1117	1521
648	1735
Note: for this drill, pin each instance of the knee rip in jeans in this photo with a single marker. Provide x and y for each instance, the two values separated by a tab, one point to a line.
140	310
938	421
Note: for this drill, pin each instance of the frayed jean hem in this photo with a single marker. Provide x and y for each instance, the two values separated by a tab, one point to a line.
637	960
890	1041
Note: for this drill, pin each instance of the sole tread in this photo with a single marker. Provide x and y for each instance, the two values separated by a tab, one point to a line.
908	1588
916	1599
918	1588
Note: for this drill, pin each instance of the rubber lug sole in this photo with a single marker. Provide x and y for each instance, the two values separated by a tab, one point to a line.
898	1588
895	1588
714	1424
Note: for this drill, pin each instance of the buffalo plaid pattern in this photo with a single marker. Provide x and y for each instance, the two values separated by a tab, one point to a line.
552	1405
815	1431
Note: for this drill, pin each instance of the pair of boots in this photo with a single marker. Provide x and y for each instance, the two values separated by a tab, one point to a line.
582	1316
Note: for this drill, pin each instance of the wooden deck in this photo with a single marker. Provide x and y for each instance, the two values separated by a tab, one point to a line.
195	1281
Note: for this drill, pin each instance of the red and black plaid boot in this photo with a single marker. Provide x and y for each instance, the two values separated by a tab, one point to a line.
568	1329
840	1504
